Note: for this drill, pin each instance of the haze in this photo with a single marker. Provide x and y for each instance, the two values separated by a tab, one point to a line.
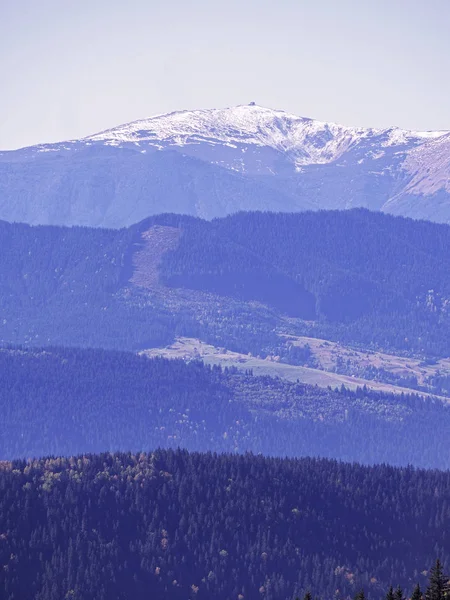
72	69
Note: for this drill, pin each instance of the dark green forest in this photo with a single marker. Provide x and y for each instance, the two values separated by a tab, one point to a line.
170	524
67	401
353	276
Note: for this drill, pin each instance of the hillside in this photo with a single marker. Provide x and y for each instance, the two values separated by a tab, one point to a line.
244	283
356	273
174	525
214	162
325	364
103	186
67	401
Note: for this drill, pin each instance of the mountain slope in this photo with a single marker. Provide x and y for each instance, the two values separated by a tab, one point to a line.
215	162
100	186
65	401
354	272
351	276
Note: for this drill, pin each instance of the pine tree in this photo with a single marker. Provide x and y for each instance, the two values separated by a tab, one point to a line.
399	594
307	596
390	595
438	588
360	595
417	593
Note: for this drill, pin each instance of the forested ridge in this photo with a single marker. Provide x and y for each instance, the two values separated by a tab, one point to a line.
170	524
66	401
364	277
353	276
58	287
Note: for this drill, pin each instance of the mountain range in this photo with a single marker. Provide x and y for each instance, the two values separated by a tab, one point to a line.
214	162
212	281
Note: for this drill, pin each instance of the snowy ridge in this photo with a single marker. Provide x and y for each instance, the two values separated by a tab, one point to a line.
429	165
307	141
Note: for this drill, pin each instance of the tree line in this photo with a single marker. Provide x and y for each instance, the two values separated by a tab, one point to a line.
438	588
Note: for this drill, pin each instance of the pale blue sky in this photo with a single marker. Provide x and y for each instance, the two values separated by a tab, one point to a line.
73	67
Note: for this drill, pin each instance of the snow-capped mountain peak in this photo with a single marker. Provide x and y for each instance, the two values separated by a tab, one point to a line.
213	162
303	141
240	125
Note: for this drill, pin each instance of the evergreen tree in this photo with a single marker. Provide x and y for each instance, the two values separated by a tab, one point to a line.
390	595
399	594
417	593
438	587
360	595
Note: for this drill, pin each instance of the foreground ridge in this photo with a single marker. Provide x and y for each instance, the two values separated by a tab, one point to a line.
170	524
